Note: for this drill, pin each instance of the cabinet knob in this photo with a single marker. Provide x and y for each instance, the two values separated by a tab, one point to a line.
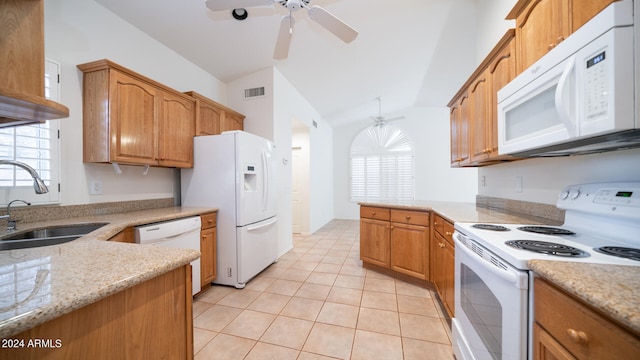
391	227
579	337
373	213
408	217
448	233
435	223
441	245
551	46
559	39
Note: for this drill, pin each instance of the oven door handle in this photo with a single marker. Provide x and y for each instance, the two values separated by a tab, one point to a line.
508	274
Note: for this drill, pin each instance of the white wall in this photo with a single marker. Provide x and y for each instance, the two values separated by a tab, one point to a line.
428	128
80	31
271	117
544	178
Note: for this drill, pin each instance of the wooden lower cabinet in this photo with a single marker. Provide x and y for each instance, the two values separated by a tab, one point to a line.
374	242
566	328
152	320
208	250
395	239
443	262
127	235
410	250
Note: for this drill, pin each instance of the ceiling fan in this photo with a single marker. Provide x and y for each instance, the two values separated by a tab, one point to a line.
327	20
381	120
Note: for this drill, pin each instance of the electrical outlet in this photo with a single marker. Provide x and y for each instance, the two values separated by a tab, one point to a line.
519	184
95	188
483	181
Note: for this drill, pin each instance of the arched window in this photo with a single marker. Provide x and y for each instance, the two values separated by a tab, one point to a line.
382	165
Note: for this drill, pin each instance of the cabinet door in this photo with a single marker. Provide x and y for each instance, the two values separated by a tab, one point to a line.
540	27
208	122
207	256
583	11
460	131
480	117
374	242
448	276
231	121
502	70
545	347
176	128
133	110
410	250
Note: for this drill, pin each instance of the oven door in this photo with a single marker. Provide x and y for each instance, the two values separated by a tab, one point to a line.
491	305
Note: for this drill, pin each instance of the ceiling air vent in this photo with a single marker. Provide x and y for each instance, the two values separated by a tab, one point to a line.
254	93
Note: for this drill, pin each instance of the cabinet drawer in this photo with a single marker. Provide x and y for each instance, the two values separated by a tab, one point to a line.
583	332
410	217
208	220
443	227
377	213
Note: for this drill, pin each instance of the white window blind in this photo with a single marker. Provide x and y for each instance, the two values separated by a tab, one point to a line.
382	165
36	145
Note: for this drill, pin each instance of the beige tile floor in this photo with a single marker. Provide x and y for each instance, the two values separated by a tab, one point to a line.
318	302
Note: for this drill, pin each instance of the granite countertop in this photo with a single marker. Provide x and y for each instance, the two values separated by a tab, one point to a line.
40	284
466	212
611	289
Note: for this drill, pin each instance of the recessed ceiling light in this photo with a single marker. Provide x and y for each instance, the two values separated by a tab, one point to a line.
239	14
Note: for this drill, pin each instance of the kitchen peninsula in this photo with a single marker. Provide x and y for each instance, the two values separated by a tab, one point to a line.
97	296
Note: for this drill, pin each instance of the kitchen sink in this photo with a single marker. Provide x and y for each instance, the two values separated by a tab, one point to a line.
52	235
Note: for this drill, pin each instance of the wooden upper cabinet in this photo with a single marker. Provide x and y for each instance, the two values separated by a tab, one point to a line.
130	119
502	70
133	109
176	128
583	11
474	109
480	118
214	118
540	26
22	98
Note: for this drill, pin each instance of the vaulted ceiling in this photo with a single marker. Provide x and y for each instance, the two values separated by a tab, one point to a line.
409	52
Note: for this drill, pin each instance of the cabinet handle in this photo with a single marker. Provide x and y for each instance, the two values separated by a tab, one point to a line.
579	337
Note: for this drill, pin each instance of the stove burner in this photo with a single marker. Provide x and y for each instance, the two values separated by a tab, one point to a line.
490	227
546	230
623	252
547	248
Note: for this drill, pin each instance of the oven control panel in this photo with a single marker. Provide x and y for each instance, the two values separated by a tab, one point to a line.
620	198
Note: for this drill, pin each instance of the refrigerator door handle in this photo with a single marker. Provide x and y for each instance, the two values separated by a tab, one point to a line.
261	225
265	182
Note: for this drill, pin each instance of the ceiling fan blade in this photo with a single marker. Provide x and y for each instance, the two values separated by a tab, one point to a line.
220	5
284	38
336	26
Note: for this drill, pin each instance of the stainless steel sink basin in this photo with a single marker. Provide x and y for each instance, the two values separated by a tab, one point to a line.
52	235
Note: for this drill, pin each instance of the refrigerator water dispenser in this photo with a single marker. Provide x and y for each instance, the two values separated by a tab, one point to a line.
250	178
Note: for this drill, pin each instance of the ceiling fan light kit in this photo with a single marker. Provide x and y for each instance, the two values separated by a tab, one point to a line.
321	16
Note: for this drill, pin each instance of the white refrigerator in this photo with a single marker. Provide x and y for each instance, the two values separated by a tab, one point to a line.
235	172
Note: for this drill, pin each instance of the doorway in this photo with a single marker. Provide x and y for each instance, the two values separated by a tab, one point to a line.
300	154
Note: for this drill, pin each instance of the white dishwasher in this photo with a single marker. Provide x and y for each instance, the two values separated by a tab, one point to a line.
180	234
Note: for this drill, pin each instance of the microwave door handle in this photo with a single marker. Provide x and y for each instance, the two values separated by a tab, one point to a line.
563	94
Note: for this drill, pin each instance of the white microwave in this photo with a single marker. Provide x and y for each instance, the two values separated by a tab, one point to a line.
580	97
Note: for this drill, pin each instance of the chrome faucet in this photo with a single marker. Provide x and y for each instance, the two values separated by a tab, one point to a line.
38	184
11	224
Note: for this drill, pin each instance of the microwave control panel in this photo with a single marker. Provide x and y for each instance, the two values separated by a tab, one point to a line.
597	86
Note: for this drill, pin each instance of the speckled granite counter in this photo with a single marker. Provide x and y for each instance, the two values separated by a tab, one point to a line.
612	289
40	284
468	212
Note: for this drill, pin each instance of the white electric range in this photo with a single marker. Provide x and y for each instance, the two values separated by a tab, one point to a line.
493	301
